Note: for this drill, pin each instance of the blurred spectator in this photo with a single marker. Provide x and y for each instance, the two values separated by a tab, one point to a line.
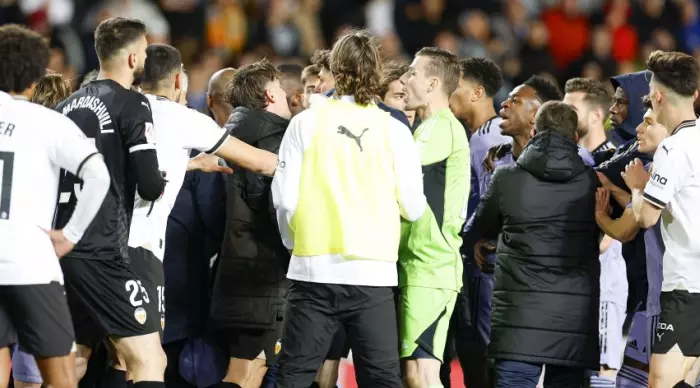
156	26
567	46
650	15
58	62
417	22
512	27
597	61
475	27
616	15
227	26
535	57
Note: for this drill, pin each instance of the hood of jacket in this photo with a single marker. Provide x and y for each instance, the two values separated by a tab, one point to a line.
251	125
636	85
551	157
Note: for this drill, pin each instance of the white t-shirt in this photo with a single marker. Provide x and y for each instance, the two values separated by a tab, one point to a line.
674	186
35	143
178	130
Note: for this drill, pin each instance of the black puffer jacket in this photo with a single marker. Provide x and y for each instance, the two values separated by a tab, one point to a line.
251	284
546	292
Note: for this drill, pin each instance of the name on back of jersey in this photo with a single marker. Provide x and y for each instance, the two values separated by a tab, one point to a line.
96	106
6	129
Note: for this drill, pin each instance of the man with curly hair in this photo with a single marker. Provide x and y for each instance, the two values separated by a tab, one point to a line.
35	144
348	172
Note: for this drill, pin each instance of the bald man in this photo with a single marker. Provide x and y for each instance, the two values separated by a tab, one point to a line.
290	81
219	108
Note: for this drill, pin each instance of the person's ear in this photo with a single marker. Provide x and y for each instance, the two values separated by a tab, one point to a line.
695	95
133	61
210	102
433	84
599	116
478	94
297	99
178	81
269	97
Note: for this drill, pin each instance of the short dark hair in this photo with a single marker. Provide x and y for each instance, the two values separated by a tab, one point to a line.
595	92
546	90
24	56
116	33
355	65
247	86
484	72
391	71
646	102
322	59
675	70
309	71
558	117
162	61
444	65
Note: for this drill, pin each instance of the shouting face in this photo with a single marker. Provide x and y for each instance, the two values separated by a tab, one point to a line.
518	111
416	84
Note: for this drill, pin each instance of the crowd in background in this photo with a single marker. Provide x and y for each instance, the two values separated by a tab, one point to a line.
563	38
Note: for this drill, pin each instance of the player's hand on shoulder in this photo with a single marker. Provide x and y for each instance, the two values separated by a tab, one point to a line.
208	163
61	244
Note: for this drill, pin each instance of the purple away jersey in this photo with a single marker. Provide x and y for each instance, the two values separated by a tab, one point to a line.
487	136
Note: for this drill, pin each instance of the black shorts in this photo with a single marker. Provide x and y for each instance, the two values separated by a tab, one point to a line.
678	323
37	314
247	344
339	347
150	270
106	298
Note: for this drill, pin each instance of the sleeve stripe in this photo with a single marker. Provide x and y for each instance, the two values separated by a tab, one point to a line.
80	166
218	144
654	201
142	147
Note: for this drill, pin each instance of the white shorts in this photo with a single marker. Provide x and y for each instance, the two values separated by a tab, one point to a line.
613	275
612	343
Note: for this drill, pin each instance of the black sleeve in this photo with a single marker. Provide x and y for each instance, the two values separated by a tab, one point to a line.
487	221
149	180
137	137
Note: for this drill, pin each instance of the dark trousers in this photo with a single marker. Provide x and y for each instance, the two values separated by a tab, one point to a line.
470	328
316	311
173	378
517	374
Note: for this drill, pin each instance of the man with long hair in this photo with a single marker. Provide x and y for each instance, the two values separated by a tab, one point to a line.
347	172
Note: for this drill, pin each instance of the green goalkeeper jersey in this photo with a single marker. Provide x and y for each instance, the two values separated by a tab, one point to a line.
429	253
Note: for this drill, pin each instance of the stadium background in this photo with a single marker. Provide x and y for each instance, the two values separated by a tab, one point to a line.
561	38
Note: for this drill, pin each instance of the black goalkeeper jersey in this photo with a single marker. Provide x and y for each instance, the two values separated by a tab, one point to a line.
120	123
